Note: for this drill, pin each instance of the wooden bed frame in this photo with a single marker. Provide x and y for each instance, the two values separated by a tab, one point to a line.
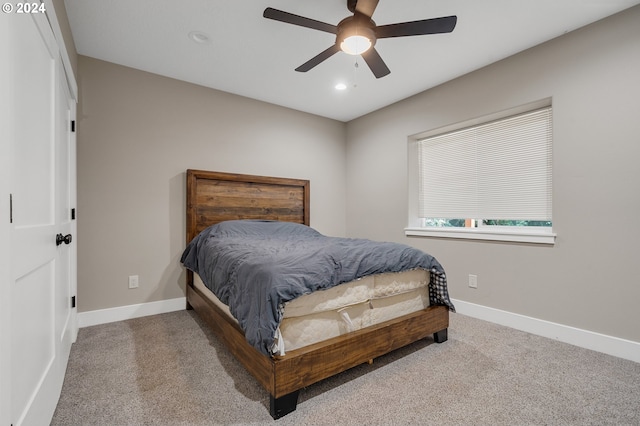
214	197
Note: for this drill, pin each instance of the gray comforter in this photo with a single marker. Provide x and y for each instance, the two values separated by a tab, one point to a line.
256	266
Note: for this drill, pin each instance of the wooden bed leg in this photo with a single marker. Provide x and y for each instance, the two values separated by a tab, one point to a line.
282	406
440	336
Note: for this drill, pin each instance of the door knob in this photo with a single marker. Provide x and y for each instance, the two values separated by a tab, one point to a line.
63	239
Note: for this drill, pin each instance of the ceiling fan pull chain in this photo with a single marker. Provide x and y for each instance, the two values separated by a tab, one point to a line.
355	74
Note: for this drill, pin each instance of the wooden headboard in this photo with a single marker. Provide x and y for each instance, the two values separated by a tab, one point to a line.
214	197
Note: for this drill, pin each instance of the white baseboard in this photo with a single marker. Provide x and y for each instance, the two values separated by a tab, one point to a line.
615	346
610	345
121	313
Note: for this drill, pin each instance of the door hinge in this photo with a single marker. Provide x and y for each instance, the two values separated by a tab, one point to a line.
73	125
10	208
73	214
73	301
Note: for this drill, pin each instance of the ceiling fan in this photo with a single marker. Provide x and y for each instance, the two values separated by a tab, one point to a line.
357	34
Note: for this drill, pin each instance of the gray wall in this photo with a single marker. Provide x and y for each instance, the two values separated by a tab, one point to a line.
588	278
138	133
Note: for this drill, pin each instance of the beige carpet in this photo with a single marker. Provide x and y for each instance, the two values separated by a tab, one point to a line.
169	370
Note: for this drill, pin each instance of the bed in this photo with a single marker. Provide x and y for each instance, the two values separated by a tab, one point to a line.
215	198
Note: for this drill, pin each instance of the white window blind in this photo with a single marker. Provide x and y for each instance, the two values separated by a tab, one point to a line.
496	170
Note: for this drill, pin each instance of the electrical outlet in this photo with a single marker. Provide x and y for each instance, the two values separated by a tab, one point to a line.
473	281
133	281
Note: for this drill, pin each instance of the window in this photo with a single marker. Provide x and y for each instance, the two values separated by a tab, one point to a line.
488	180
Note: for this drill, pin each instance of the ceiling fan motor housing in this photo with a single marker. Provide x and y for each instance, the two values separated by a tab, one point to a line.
358	24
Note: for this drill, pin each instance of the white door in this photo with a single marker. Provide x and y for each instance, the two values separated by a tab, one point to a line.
6	179
41	319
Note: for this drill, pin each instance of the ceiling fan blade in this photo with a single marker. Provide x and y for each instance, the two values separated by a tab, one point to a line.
325	54
366	7
375	62
446	24
290	18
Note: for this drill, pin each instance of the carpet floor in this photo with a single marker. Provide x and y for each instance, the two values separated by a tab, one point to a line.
169	369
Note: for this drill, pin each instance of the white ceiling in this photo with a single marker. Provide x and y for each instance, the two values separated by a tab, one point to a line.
255	57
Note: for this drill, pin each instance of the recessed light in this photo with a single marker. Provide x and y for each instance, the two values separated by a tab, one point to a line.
199	37
340	86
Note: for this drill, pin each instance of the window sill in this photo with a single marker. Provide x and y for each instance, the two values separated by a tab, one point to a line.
484	234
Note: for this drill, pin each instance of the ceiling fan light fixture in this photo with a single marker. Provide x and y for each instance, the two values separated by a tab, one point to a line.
355	34
355	45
